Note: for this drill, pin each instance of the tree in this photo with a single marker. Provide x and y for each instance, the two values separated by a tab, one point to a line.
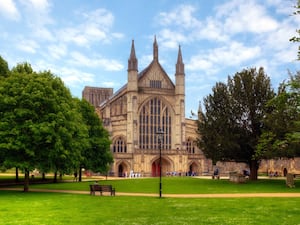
38	122
297	38
96	154
216	123
4	70
281	134
231	124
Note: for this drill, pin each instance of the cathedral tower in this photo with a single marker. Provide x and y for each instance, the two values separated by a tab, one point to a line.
180	102
132	91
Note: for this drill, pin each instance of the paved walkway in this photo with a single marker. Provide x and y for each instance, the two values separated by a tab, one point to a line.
233	195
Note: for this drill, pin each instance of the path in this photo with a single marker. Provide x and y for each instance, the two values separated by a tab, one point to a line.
232	195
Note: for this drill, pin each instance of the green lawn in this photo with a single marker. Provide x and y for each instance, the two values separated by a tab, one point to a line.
182	185
18	208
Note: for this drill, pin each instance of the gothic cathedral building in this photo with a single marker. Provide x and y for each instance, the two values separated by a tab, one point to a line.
150	102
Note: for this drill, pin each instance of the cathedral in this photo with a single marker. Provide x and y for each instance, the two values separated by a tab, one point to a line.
146	118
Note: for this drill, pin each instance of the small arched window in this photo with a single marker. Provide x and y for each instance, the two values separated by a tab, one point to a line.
119	145
190	147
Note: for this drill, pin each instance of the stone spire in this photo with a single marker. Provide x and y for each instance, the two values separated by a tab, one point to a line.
155	50
200	111
132	61
179	64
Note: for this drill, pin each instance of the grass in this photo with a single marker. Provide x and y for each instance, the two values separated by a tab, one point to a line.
18	208
181	185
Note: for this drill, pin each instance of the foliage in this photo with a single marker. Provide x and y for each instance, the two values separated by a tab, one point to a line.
4	70
281	135
39	123
232	122
96	154
297	38
43	127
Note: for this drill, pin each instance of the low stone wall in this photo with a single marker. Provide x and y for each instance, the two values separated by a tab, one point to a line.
237	177
282	166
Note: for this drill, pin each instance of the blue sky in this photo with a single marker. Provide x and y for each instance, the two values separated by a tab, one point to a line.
87	43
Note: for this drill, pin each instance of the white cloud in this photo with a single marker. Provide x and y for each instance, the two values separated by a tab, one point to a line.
108	84
37	12
39	5
105	64
210	30
101	17
29	46
73	77
95	27
181	16
37	17
282	7
9	10
171	39
43	34
240	16
199	62
57	51
233	54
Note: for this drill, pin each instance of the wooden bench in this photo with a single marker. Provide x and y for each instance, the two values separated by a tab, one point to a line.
101	189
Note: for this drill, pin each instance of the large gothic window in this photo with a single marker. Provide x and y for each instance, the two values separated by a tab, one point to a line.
119	145
154	115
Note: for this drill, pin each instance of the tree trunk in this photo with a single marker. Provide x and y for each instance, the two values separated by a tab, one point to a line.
80	174
43	176
55	177
253	169
26	181
17	174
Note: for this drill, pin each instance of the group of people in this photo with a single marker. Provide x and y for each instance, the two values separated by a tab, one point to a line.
132	174
273	174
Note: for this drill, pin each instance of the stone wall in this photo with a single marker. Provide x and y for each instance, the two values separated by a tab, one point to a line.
267	167
281	166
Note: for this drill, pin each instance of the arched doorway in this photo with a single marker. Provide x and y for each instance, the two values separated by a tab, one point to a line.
123	170
193	169
166	167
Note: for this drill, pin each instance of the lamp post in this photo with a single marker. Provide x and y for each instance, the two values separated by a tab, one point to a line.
159	134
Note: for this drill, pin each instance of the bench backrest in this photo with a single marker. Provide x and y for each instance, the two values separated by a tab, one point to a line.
95	187
105	187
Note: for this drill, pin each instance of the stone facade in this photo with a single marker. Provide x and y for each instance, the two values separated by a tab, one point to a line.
280	166
148	102
96	95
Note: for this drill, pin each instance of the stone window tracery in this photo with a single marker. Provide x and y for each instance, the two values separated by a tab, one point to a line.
155	83
119	145
190	147
154	115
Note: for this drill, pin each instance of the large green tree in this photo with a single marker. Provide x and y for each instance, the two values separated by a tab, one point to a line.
281	135
96	154
38	122
231	123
